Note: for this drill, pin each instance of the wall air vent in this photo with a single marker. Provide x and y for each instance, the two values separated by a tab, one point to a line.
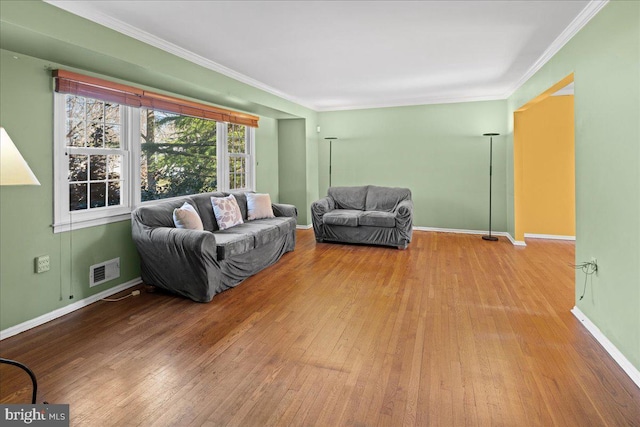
103	272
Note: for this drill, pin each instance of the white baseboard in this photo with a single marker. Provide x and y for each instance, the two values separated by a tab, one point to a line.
40	320
514	241
304	227
548	236
613	351
462	231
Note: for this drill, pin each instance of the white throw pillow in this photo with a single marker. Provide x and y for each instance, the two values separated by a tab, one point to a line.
186	217
226	211
259	206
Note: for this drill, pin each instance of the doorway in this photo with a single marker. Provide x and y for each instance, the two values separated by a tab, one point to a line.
544	165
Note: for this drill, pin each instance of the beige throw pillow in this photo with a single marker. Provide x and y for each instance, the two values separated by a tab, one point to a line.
259	206
186	217
226	211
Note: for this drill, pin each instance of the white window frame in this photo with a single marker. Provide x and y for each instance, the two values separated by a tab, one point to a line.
224	155
65	220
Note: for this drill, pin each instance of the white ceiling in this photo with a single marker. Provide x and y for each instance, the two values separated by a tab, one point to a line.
335	55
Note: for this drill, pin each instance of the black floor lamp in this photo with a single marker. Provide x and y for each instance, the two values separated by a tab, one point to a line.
491	135
330	138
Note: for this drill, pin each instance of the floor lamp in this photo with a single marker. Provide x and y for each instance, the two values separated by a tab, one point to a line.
15	171
490	135
330	138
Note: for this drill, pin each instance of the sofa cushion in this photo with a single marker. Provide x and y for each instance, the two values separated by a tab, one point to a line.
286	224
187	217
348	217
259	206
377	219
226	211
261	232
385	199
230	244
349	197
241	199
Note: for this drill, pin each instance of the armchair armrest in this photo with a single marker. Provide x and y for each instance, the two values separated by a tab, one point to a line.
318	209
404	209
176	259
281	209
186	240
404	219
174	243
323	205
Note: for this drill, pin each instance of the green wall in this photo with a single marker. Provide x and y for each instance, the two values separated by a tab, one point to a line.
44	37
312	167
437	151
26	213
291	161
267	158
605	59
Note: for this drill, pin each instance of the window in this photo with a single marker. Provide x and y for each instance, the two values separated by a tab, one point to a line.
178	155
239	157
174	155
94	148
92	160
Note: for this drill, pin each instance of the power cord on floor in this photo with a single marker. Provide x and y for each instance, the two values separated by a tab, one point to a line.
131	294
589	269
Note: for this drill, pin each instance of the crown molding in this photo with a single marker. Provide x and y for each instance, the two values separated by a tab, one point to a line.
145	37
421	101
589	11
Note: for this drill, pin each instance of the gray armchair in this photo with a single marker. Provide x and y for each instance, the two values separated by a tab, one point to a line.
368	214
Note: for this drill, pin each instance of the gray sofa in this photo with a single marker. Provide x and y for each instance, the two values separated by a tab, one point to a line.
200	264
368	214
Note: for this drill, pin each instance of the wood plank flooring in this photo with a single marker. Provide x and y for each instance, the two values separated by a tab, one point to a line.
453	331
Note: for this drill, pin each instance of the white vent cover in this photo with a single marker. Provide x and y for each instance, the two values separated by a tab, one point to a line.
103	272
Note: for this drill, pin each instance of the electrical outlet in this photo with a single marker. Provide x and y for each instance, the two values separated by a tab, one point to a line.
42	264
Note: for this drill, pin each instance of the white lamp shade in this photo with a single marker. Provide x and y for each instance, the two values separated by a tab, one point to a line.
13	169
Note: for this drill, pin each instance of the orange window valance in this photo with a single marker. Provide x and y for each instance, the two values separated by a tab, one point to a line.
92	87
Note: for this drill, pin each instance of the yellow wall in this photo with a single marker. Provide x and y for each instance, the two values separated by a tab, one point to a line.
545	168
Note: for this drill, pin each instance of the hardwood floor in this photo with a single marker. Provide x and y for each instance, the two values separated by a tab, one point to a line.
453	331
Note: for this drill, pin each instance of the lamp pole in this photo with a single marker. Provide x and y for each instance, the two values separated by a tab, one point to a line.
489	237
330	138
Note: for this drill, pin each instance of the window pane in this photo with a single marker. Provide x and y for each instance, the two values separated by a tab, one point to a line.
112	113
75	133
98	168
78	167
98	194
95	135
112	136
237	173
114	193
77	197
95	178
236	138
114	165
95	110
74	106
178	155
